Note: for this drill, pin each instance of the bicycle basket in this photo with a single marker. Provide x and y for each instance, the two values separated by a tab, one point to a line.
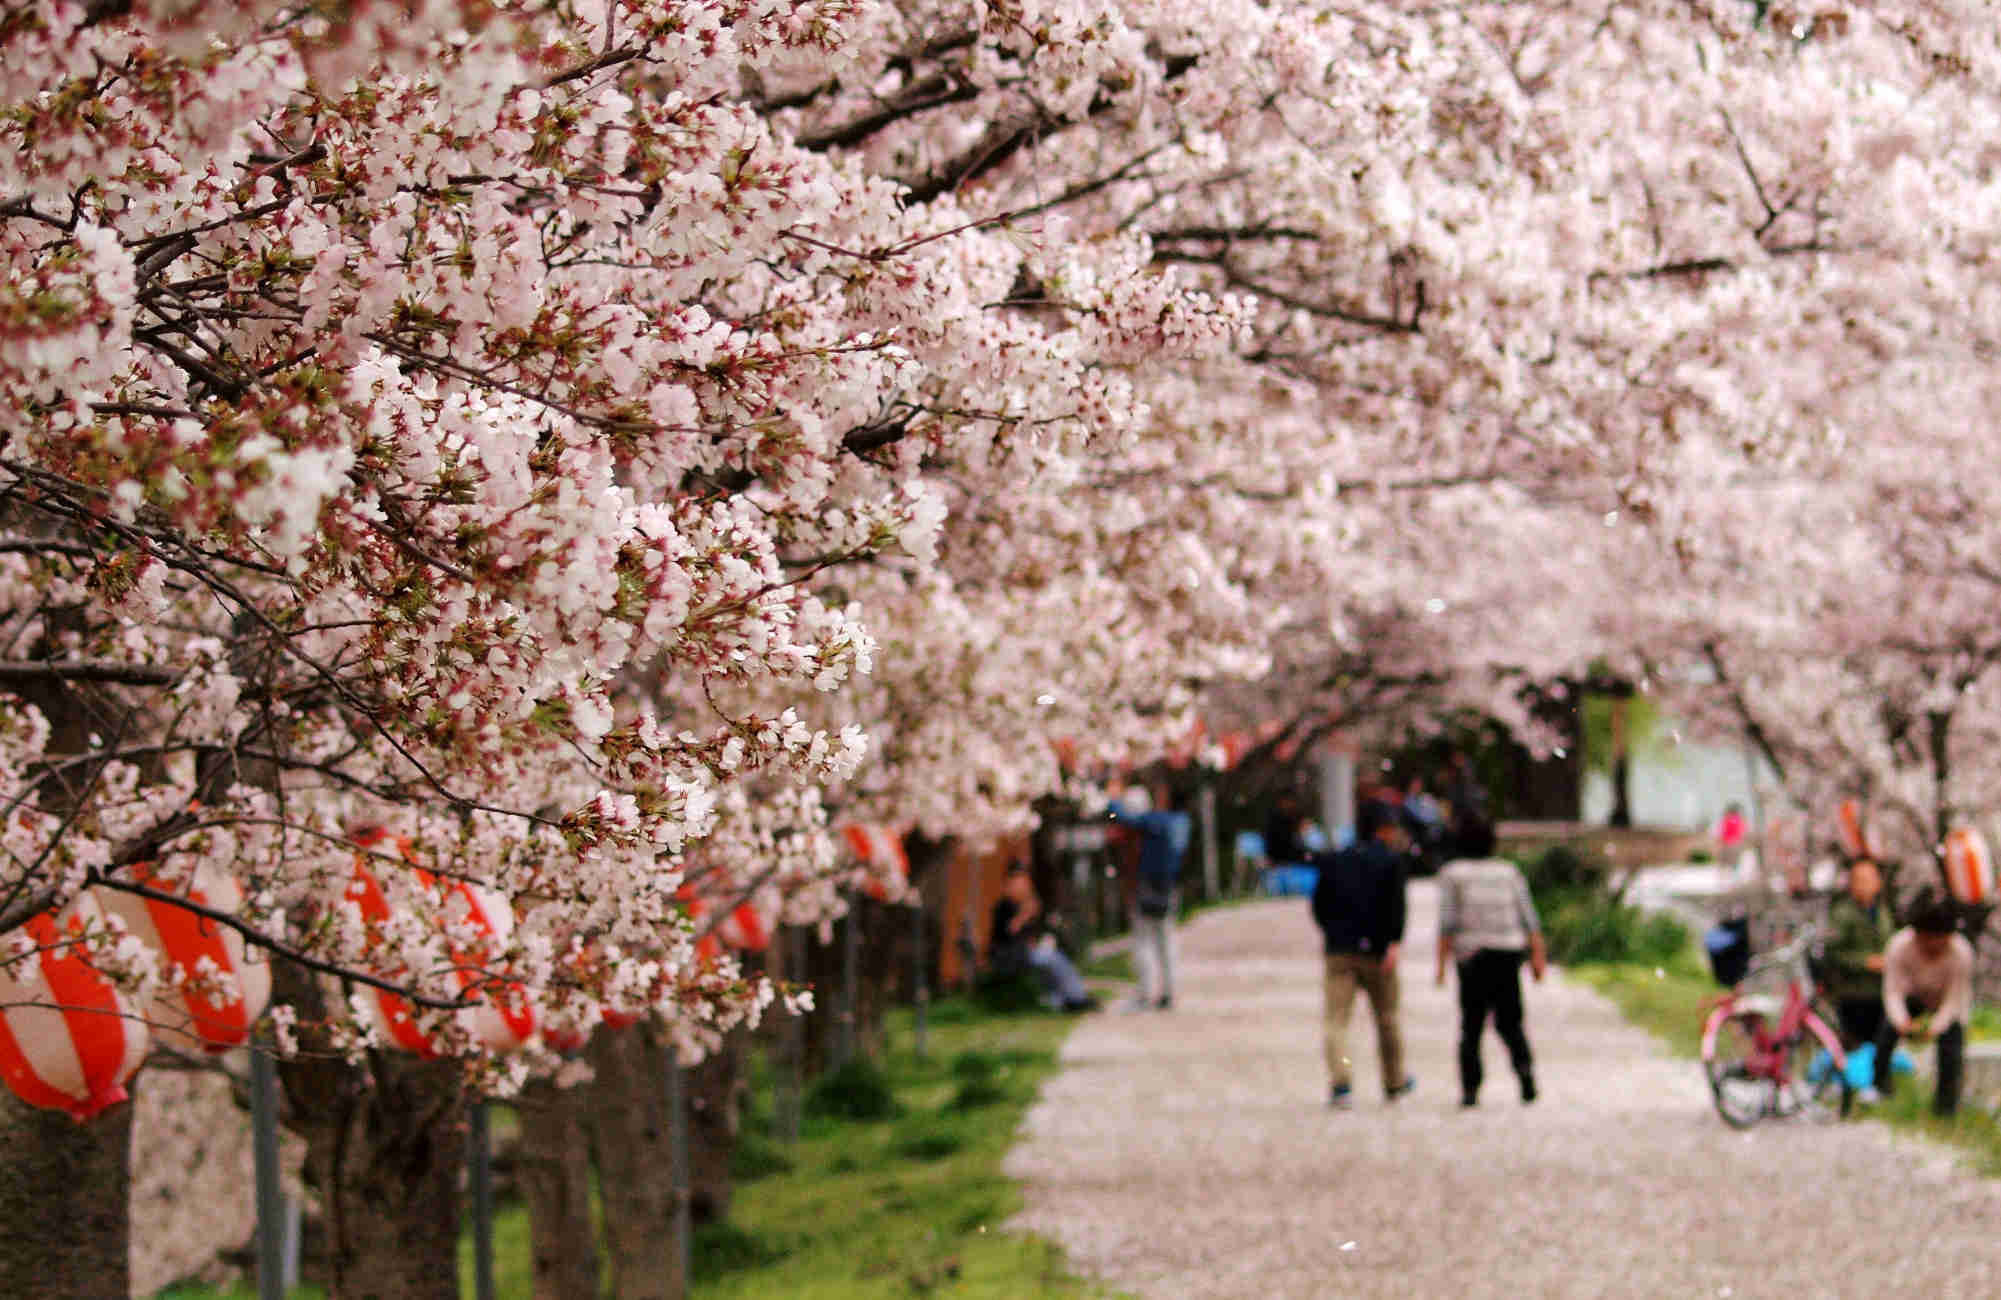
1728	944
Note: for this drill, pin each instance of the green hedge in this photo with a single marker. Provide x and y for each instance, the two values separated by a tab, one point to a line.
1584	924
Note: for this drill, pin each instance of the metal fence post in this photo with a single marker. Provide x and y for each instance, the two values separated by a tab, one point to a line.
920	971
264	1160
792	1074
851	939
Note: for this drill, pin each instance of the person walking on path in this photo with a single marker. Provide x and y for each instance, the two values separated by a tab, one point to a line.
1165	829
1358	903
1487	924
1927	993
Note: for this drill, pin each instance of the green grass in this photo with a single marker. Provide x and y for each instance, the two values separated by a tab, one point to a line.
1984	1025
909	1202
911	1206
1672	1000
1111	966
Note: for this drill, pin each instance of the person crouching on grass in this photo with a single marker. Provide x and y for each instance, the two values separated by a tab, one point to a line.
1927	994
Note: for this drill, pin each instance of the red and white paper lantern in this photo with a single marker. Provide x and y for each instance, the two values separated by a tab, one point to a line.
503	1019
881	850
69	1040
209	957
1854	834
1969	868
744	929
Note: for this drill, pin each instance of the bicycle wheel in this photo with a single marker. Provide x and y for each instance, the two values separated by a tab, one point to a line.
1816	1084
1730	1048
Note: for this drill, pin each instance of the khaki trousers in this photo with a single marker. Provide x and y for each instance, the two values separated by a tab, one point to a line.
1346	972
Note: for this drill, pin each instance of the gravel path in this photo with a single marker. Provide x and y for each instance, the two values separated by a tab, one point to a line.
1191	1154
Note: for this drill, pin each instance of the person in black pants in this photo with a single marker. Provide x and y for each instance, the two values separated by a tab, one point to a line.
1927	994
1487	923
1851	965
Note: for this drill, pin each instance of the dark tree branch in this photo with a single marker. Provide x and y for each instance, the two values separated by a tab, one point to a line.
609	59
1003	141
1742	708
1234	234
932	92
1391	324
257	938
87	670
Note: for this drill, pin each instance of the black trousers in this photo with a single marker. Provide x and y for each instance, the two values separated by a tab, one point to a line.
1491	981
1860	1017
1951	1059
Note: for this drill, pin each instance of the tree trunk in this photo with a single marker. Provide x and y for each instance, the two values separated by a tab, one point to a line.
385	1145
1938	744
1622	804
554	1168
884	963
715	1095
629	1138
64	1190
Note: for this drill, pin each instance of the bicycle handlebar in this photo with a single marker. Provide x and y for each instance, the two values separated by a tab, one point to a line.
1786	954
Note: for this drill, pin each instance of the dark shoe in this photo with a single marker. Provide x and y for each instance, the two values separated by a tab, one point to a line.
1076	1005
1468	1103
1165	1004
1528	1089
1342	1098
1404	1089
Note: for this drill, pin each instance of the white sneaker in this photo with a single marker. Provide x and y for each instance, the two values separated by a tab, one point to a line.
1868	1096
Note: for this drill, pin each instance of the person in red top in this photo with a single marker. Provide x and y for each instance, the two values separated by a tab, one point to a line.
1730	836
1927	994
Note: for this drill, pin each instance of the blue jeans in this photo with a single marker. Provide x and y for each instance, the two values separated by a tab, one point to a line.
1060	981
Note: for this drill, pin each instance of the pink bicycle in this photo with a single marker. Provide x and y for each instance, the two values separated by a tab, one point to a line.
1759	1049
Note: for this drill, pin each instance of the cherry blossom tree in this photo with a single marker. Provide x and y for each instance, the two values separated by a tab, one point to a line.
591	442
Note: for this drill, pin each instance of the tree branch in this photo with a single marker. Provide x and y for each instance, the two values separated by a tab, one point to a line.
87	670
258	938
932	92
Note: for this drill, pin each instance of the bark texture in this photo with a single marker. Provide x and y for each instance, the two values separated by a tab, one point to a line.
64	1186
883	966
715	1110
629	1140
553	1165
385	1148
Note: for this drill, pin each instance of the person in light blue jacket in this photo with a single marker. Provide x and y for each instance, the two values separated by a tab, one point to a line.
1165	828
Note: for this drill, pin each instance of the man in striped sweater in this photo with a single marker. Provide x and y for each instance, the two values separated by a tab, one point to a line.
1487	924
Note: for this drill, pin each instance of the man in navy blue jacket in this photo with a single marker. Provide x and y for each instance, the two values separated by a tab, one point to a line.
1359	906
1165	828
